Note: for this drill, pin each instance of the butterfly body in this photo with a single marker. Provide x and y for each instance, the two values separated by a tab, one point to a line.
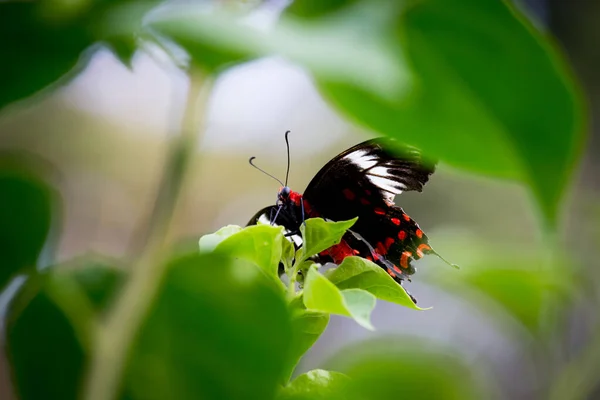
361	182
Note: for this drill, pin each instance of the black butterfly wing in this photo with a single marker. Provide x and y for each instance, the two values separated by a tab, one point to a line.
372	172
362	182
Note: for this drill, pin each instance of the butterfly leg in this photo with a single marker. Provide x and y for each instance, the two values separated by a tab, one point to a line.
302	207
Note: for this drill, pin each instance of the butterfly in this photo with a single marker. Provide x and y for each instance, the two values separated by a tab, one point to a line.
361	182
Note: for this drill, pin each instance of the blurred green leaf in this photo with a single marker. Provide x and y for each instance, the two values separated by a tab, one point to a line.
358	273
26	206
44	43
217	330
208	243
317	384
498	90
36	50
260	244
99	277
320	235
323	296
307	326
531	288
49	327
316	8
404	367
525	293
332	48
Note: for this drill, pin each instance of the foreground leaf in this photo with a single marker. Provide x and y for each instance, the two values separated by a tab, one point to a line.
49	326
46	49
307	326
317	384
208	243
406	367
320	235
260	244
217	330
26	206
483	124
358	273
334	49
323	296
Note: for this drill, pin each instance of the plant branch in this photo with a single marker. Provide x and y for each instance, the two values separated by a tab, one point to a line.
115	336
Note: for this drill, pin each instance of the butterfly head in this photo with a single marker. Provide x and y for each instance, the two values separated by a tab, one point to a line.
284	193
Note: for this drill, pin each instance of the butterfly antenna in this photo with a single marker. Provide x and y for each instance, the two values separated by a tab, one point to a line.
287	143
446	261
263	171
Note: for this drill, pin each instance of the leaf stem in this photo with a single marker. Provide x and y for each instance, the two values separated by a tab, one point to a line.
114	338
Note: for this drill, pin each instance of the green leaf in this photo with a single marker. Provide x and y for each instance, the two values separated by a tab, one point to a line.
532	288
323	296
524	293
217	330
315	8
358	273
260	244
208	243
49	327
53	39
320	235
487	75
46	49
26	206
406	367
287	253
317	384
332	48
307	326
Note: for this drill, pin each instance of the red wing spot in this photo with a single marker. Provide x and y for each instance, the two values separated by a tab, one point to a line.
395	221
402	235
349	194
369	258
392	274
421	248
404	259
307	207
379	211
381	248
398	270
375	256
406	217
388	242
365	201
419	233
356	251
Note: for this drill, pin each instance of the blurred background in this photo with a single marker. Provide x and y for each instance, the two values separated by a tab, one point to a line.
106	135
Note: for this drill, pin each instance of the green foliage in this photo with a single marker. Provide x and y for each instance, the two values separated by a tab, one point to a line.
470	82
216	330
307	326
359	273
26	206
322	295
317	384
406	367
46	42
50	325
260	244
320	235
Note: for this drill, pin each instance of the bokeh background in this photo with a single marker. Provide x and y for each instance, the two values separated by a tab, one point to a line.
106	134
